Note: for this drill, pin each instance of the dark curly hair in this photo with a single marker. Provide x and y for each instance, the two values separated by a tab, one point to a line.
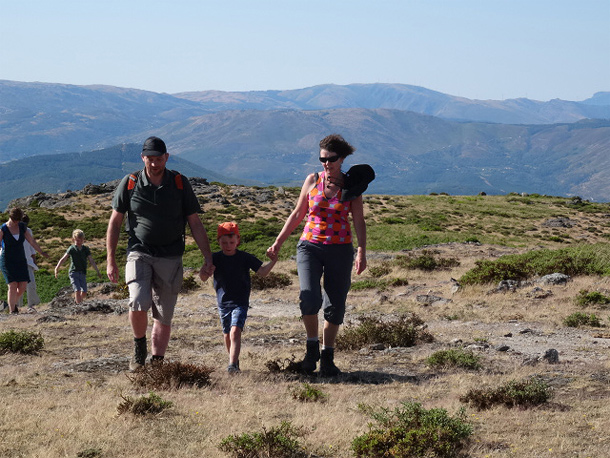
335	143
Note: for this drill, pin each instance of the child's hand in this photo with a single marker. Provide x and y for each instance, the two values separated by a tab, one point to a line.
203	276
272	255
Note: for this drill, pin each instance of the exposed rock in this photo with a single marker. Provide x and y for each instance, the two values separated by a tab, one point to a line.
539	293
551	356
92	189
555	279
429	299
508	286
559	222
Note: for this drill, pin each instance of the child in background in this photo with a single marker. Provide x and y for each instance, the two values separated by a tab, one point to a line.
79	255
232	285
30	255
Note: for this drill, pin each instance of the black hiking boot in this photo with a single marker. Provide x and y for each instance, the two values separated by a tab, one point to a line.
327	364
157	360
308	365
139	355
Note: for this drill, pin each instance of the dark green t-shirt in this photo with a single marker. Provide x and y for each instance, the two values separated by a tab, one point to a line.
78	258
156	215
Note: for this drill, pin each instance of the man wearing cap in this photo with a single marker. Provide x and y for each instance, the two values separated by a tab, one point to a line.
158	203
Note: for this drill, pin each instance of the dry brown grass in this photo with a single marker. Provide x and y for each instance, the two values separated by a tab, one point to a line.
64	401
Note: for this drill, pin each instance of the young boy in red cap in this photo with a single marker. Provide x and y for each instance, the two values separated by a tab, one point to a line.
232	285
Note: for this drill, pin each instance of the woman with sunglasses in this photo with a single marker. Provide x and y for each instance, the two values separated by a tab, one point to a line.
325	250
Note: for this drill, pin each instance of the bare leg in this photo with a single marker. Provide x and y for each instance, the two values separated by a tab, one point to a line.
227	339
139	323
160	338
11	296
235	345
311	326
329	334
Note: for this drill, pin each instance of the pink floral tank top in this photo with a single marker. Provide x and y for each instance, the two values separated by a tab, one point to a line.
327	219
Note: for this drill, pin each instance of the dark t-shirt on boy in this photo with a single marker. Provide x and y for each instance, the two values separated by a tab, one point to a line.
78	258
232	277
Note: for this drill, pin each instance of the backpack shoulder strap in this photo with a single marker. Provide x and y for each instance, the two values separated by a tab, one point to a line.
177	179
133	179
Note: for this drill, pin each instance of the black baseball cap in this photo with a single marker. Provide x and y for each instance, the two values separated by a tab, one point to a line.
356	180
154	146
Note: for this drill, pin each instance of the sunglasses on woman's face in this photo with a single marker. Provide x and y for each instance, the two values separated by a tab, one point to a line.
329	159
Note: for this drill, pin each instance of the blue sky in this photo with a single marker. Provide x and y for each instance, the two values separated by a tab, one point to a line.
483	49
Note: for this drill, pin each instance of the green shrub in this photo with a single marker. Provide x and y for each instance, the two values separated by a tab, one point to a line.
406	331
26	342
368	284
152	404
572	261
379	271
526	393
426	261
189	284
454	358
582	319
586	298
308	393
412	431
277	442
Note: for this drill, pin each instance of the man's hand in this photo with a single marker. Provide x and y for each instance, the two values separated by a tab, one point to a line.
112	270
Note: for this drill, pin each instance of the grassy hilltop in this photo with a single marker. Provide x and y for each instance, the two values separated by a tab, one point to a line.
428	336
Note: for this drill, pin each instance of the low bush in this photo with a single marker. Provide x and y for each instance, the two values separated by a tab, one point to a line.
582	319
412	431
273	280
171	375
307	393
277	442
587	298
577	260
284	366
426	261
455	358
90	453
26	342
405	331
524	393
189	284
152	404
374	283
379	271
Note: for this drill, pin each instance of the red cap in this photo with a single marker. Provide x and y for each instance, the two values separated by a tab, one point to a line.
228	229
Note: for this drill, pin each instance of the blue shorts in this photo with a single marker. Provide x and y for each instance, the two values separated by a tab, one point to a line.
78	280
333	263
232	315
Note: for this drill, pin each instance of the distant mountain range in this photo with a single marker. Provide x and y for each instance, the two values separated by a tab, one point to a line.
418	141
55	173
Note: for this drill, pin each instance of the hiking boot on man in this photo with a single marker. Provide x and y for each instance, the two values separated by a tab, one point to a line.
140	354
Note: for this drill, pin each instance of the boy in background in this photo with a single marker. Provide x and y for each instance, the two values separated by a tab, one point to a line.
79	254
232	285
